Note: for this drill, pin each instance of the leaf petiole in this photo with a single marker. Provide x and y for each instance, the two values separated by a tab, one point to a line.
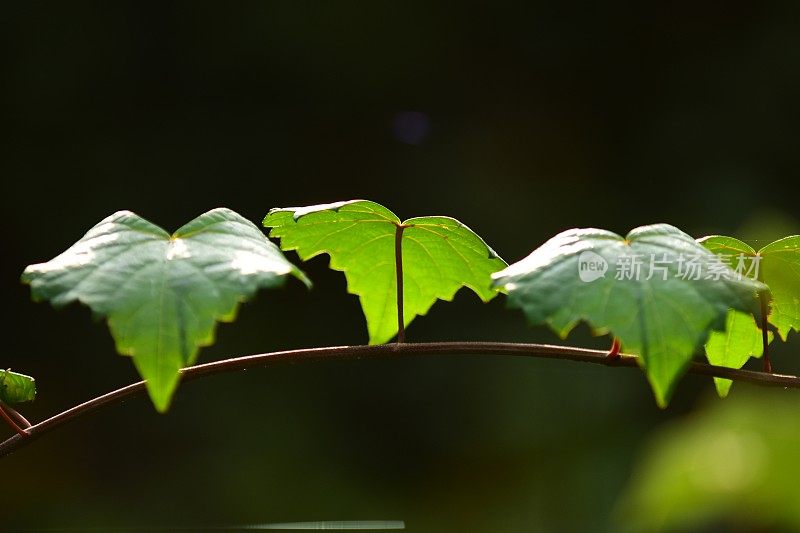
613	353
764	333
9	414
398	262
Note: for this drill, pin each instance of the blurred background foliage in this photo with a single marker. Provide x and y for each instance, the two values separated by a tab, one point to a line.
732	464
520	119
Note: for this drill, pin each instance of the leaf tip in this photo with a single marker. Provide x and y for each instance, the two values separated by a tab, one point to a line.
162	405
161	396
662	402
299	274
662	387
723	386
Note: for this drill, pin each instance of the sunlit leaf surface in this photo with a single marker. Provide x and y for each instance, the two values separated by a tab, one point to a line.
657	290
16	388
439	256
162	294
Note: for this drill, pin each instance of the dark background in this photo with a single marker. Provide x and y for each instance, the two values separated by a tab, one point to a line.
520	119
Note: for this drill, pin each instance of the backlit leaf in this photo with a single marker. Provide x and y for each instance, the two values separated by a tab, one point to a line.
731	348
162	294
439	256
777	265
657	290
16	388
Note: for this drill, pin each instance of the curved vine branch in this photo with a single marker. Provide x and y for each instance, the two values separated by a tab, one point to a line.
547	351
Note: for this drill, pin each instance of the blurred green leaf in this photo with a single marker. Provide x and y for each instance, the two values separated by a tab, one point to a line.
735	462
16	388
662	313
439	256
163	294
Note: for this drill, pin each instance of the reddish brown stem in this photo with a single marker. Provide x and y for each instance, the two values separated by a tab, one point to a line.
613	353
10	420
567	353
21	420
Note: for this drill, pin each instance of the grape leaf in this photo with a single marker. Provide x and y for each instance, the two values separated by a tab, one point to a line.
741	340
651	301
162	294
778	266
439	256
16	388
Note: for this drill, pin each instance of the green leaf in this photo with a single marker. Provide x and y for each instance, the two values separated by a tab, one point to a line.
16	388
439	256
733	465
663	313
778	266
741	340
780	270
163	294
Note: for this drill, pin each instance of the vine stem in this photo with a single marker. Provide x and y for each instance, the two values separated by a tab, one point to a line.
394	350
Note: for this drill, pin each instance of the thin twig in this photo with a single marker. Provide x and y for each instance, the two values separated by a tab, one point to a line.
388	351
